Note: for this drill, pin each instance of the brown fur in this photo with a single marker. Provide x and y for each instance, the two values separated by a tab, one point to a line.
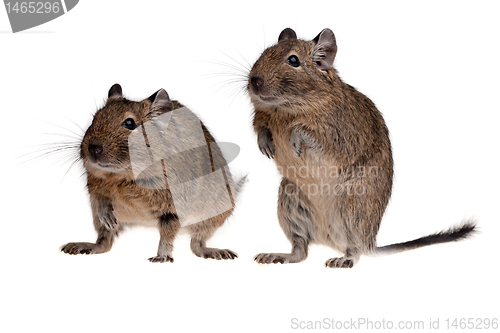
115	197
330	144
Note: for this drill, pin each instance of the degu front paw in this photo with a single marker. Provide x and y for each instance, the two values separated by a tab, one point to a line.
266	144
296	142
81	248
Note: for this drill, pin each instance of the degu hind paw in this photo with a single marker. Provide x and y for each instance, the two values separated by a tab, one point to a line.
218	254
341	262
272	258
161	258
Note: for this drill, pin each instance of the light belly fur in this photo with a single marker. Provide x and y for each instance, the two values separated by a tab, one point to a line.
318	179
127	214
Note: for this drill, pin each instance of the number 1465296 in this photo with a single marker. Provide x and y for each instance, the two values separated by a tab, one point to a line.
32	7
472	323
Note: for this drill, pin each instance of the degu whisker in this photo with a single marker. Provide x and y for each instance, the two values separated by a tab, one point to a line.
76	135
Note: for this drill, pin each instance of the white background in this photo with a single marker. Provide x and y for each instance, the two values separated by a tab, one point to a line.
431	68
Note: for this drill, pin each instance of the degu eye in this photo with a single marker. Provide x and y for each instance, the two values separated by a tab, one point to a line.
129	124
293	61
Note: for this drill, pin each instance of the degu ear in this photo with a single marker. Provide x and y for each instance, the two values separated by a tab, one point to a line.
160	102
287	34
115	91
325	49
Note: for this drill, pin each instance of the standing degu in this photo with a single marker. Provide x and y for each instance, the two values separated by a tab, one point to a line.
307	118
